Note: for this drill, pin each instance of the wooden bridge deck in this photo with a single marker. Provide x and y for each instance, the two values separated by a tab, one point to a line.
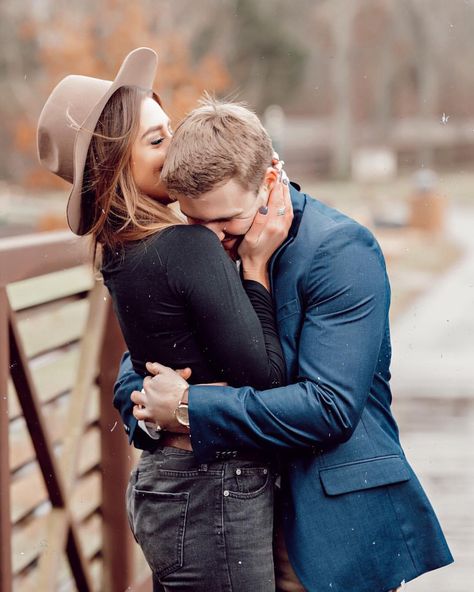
437	426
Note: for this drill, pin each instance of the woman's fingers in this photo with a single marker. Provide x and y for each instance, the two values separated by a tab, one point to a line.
280	199
258	223
280	208
276	199
287	197
276	162
271	224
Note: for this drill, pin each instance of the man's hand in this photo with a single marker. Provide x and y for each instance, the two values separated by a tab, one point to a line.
161	395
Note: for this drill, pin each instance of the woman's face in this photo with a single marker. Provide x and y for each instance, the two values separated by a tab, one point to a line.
149	150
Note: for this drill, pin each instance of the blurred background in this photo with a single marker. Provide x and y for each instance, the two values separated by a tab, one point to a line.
371	105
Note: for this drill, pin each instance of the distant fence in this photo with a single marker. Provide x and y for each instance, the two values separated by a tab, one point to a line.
64	459
308	147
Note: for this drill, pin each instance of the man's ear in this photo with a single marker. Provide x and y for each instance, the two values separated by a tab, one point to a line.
271	175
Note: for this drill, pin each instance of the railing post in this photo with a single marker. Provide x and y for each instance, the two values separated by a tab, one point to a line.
118	546
5	517
22	258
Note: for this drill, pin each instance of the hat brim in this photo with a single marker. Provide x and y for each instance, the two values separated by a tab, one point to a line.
137	69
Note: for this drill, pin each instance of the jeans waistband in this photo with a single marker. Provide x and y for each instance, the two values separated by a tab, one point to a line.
221	458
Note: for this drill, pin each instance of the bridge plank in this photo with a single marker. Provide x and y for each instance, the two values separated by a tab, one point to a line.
28	490
29	541
54	375
53	286
21	448
50	329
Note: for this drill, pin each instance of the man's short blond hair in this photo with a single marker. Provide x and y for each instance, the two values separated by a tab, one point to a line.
216	142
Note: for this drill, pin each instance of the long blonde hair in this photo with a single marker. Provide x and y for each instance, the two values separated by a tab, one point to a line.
113	210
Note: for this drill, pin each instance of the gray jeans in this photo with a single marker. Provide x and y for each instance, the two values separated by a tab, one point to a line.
203	527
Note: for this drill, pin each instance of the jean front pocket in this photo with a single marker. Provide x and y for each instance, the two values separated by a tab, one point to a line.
159	523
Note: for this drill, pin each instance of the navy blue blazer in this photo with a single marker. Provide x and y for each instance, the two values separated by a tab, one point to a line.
356	517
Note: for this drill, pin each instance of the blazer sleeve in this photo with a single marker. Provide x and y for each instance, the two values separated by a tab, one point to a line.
127	381
346	300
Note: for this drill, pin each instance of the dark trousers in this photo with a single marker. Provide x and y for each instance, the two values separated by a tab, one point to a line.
203	527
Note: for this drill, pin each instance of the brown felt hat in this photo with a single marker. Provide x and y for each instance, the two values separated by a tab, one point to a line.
70	115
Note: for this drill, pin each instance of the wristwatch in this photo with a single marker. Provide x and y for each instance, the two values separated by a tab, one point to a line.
182	414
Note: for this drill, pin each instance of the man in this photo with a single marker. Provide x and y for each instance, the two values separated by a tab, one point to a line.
354	514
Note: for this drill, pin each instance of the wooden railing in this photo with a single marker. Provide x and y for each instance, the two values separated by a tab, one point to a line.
64	458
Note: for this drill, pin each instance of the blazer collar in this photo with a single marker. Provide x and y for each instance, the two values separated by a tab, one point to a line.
298	200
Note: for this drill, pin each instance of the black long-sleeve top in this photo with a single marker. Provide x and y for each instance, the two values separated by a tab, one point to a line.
180	301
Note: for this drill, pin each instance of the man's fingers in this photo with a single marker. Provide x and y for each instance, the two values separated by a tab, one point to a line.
146	381
152	368
184	372
155	368
138	398
141	413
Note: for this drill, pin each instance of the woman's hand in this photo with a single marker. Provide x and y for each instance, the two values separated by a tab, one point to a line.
268	231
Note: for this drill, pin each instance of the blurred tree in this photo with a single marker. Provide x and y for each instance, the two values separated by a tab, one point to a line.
375	53
415	14
340	15
260	48
93	41
399	59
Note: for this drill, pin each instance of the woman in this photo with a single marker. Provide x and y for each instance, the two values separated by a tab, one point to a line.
175	292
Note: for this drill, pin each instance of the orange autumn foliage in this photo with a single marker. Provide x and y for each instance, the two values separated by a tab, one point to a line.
50	221
94	44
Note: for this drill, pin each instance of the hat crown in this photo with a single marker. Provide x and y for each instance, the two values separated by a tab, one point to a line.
62	117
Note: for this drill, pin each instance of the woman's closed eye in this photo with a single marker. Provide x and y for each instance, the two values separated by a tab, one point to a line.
158	141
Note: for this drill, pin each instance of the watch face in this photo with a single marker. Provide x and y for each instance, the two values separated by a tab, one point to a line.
182	414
